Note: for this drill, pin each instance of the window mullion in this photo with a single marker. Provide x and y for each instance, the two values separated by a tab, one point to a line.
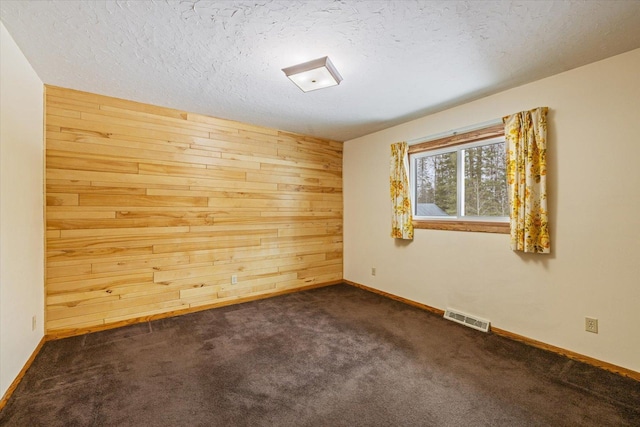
460	186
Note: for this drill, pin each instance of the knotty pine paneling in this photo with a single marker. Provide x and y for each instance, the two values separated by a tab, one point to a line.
152	210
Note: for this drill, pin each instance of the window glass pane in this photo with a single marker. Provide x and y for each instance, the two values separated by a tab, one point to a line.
436	185
485	183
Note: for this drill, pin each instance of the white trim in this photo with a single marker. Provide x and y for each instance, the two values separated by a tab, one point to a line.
454	132
496	219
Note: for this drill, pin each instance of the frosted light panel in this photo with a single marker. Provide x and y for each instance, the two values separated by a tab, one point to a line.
317	78
312	75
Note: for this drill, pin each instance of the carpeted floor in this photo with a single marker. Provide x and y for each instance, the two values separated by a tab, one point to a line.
335	356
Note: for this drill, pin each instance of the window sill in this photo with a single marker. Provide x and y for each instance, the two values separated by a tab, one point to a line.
478	226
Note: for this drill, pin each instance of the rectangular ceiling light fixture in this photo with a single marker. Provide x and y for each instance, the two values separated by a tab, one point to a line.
312	75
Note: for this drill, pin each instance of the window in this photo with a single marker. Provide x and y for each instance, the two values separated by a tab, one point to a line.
459	182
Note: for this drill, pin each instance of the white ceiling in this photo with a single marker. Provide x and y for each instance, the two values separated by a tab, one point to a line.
399	59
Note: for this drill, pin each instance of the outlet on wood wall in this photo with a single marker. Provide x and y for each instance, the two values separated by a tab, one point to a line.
152	210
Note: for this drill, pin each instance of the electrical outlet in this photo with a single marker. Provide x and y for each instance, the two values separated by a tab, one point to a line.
591	325
373	271
234	279
33	323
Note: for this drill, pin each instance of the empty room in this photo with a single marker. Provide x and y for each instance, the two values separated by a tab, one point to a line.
319	213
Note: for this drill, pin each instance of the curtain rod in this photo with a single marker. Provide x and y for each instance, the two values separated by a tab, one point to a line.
454	132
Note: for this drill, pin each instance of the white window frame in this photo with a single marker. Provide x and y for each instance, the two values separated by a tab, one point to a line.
460	196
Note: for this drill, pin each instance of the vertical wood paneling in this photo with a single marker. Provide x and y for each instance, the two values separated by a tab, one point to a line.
151	210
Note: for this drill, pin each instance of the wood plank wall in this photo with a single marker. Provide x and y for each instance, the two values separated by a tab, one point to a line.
152	210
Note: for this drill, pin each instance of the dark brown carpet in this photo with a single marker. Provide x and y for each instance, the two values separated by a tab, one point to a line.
335	356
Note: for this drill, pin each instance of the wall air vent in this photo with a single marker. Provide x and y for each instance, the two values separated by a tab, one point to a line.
467	320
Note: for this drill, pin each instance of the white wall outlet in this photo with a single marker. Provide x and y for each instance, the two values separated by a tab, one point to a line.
373	271
591	324
234	279
33	323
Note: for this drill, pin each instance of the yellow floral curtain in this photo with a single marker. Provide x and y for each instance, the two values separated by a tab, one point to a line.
526	143
401	217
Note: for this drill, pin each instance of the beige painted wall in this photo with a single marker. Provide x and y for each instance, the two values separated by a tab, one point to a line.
594	196
21	205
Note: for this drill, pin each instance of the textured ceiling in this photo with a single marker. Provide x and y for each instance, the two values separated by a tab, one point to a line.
399	59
